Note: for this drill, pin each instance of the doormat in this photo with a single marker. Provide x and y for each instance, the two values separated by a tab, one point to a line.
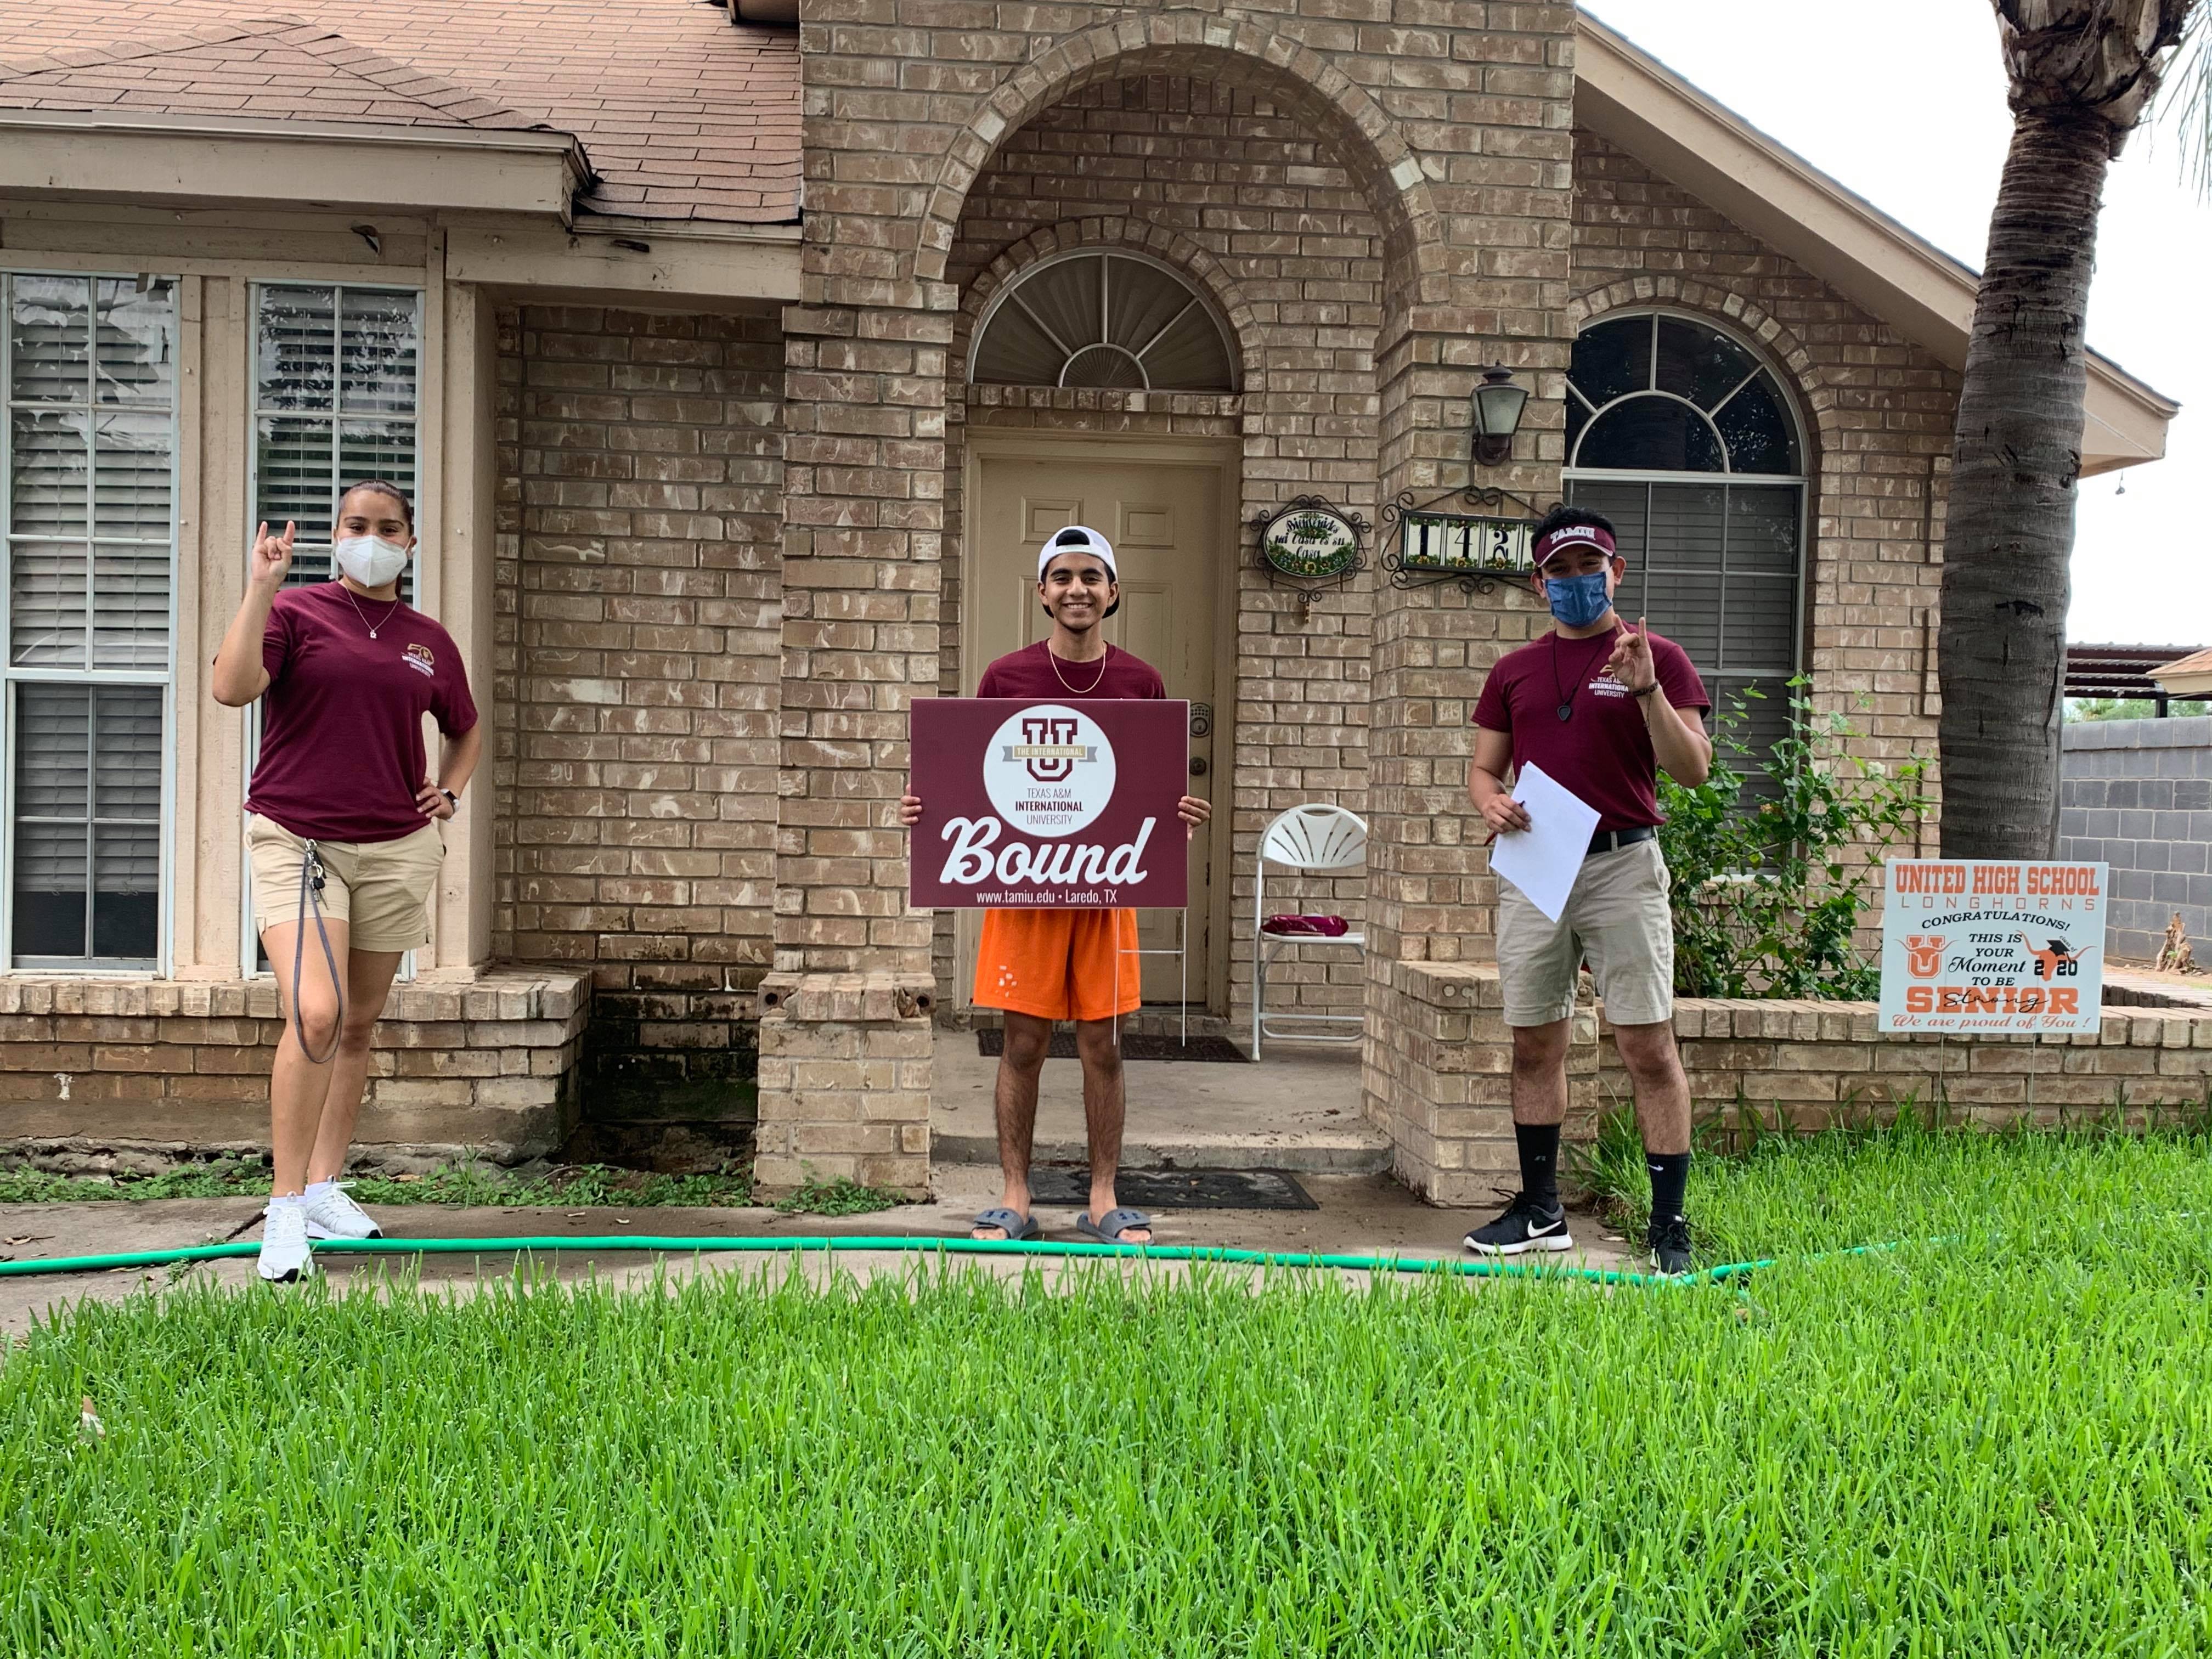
1135	1045
1156	1190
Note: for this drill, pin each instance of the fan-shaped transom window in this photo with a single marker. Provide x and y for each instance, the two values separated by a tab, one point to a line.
1103	319
1657	393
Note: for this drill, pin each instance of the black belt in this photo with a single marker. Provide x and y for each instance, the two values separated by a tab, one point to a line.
1607	841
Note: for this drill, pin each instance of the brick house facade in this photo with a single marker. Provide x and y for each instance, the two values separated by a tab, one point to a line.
710	465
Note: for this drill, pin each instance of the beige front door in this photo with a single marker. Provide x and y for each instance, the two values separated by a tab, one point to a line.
1165	522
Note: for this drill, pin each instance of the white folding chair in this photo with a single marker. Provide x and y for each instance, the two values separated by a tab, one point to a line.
1309	839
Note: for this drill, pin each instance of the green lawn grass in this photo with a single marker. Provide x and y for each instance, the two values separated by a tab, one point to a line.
2000	1443
580	1185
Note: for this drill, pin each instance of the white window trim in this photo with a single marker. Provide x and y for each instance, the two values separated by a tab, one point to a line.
165	955
249	936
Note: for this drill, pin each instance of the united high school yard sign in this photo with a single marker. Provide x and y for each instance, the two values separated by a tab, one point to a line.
2008	946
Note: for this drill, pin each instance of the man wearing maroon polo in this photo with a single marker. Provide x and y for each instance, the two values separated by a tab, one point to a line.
1599	706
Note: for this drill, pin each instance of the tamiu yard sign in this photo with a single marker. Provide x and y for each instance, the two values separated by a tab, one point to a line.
1050	804
1992	947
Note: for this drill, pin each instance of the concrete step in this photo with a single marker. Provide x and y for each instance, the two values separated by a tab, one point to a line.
1299	1113
1356	1151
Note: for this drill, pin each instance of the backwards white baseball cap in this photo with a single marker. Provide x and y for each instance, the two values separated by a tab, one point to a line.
1080	538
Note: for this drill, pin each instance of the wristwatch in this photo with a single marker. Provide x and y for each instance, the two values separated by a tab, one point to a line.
450	796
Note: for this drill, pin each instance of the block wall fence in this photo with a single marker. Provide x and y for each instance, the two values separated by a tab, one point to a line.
2137	795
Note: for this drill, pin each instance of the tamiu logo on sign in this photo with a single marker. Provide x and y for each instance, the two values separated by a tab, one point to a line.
1049	771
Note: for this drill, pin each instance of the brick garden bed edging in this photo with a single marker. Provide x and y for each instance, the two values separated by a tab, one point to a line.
485	1068
1440	1081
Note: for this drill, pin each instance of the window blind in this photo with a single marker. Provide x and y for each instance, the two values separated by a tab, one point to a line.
89	512
1716	566
337	381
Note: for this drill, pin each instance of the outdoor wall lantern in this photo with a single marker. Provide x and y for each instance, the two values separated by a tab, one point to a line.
1497	405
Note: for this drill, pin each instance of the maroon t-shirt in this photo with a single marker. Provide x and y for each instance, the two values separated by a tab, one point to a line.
341	720
1031	672
1603	755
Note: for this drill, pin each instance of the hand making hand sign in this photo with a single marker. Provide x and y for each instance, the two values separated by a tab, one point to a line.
272	557
1630	662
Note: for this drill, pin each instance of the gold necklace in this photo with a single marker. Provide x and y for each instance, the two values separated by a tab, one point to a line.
1080	691
357	612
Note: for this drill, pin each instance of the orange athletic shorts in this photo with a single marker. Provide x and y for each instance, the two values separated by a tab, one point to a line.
1059	965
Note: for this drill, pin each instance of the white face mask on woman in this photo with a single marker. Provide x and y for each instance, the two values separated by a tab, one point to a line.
370	560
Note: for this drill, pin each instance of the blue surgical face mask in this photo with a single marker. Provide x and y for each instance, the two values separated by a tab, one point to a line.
1577	601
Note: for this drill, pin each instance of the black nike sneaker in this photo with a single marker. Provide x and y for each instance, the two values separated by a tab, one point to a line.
1525	1226
1669	1242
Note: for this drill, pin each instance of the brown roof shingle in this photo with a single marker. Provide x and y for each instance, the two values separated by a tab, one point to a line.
682	115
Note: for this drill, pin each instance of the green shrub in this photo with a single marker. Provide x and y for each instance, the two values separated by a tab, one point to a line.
1771	878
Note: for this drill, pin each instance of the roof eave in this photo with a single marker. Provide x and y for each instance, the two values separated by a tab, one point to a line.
1632	100
232	159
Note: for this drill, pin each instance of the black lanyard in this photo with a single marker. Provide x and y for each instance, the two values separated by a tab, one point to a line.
1567	696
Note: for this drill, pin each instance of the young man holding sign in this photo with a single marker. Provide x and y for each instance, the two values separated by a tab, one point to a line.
1599	706
1041	965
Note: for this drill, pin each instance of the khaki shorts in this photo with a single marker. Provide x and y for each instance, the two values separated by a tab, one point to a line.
1616	916
381	888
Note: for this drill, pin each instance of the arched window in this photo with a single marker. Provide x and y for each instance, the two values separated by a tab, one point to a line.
1096	317
1689	444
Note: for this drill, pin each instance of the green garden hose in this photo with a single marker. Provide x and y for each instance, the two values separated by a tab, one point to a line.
852	1241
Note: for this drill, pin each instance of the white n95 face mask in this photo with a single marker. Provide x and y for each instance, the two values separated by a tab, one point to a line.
370	560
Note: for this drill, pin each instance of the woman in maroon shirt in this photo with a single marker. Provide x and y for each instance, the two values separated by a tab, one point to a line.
343	830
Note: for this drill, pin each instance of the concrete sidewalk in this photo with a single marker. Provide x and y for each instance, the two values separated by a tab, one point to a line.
1359	1215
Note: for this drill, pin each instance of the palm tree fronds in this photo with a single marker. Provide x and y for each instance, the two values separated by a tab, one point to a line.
2186	102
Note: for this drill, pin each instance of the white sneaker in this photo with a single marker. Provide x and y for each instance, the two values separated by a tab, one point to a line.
331	1214
284	1253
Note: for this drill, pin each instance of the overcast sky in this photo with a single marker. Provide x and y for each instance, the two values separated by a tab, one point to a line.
1903	101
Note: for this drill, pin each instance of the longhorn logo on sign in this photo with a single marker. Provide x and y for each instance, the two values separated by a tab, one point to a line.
1049	771
1923	955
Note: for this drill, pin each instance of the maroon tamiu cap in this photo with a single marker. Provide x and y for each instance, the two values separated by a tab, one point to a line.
1570	536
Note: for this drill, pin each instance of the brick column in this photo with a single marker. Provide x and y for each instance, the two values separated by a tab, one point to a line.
845	1039
1445	1062
864	485
1493	289
844	1081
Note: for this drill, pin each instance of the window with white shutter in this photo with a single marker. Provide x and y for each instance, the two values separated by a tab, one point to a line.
1685	439
337	381
87	487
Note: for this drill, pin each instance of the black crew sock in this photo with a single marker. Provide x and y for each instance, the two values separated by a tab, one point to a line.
1671	1174
1540	1162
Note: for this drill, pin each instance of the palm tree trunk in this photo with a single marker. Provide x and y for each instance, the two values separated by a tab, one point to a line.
2010	527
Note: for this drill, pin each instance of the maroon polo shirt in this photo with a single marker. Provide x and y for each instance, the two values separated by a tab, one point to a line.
1602	754
342	720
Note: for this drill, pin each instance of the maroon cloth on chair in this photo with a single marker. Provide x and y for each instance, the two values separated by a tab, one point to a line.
1306	926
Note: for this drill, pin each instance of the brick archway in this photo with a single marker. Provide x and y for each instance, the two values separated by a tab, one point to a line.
1364	140
1170	247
